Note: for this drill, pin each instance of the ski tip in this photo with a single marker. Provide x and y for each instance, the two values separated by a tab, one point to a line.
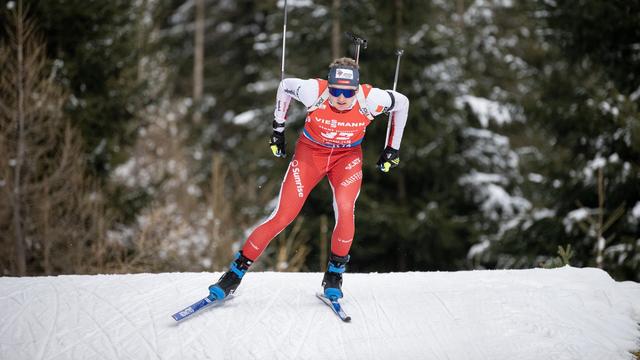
192	309
183	314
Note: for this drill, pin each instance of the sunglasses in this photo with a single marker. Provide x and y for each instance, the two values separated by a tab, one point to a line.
347	93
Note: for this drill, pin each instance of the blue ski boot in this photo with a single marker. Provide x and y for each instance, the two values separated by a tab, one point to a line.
230	280
332	281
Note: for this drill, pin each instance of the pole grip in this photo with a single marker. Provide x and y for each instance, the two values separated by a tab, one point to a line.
358	41
399	53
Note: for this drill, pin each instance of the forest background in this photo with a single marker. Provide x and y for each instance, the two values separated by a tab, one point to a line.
133	134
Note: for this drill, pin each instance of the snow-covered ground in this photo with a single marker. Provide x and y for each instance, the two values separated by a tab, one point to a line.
566	313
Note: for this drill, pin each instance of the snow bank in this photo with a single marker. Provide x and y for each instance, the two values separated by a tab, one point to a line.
565	313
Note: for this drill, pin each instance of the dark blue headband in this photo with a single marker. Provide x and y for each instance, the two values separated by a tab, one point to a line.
342	75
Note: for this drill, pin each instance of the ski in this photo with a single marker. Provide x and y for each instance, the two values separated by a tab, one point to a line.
194	308
335	306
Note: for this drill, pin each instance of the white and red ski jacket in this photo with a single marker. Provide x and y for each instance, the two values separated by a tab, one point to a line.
342	129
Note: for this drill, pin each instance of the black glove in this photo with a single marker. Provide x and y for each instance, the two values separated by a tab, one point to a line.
277	144
389	159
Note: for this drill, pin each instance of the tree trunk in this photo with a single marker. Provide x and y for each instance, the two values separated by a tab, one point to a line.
20	251
460	9
335	30
324	243
600	241
401	189
46	244
398	21
198	61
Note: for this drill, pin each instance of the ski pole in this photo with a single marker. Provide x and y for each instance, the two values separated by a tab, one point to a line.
399	53
284	39
357	41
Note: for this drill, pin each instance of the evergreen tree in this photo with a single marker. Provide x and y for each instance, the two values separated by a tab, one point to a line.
522	134
96	48
581	126
51	216
606	34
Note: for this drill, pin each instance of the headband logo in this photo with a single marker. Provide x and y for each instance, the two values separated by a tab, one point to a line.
344	74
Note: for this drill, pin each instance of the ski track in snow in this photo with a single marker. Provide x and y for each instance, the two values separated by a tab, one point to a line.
563	314
52	327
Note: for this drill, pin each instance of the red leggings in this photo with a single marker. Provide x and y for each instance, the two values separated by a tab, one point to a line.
311	163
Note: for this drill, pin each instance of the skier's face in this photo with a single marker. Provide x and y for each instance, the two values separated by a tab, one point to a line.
342	97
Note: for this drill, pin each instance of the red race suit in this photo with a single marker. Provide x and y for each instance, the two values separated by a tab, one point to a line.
328	146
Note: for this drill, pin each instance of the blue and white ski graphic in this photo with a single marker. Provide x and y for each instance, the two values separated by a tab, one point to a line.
194	308
335	306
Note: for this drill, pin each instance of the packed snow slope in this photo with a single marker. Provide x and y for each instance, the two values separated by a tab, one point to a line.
566	313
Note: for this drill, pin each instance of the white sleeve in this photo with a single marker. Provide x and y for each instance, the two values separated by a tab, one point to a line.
305	91
380	101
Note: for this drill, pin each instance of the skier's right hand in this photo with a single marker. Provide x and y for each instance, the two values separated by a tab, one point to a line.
277	144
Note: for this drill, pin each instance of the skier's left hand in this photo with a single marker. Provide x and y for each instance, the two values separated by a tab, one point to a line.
389	159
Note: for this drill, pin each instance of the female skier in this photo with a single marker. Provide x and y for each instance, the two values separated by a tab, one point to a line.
339	110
